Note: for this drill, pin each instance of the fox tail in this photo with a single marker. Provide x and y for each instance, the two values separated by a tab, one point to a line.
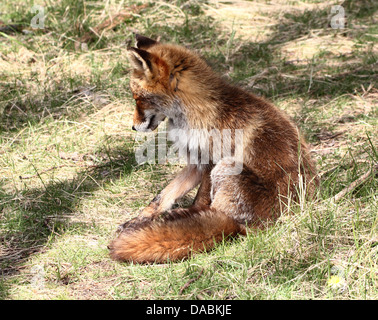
174	235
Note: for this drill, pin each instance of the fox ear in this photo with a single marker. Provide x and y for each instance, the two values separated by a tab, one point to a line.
144	42
140	60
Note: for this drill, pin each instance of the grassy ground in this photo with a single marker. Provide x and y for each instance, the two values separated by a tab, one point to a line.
68	174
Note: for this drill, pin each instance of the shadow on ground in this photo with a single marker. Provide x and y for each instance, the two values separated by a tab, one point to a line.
33	216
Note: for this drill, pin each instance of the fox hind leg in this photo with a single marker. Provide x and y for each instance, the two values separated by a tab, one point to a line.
244	196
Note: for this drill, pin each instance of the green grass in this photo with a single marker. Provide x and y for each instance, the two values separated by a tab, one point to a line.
68	174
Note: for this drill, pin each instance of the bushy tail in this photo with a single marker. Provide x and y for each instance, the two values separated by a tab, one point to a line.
174	235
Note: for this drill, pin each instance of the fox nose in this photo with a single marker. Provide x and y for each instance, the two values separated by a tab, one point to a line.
133	128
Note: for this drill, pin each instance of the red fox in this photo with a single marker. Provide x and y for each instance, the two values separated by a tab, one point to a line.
173	82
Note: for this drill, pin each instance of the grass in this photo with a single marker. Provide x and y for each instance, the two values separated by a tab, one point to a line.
68	174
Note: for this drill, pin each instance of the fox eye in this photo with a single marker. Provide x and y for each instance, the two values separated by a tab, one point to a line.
171	77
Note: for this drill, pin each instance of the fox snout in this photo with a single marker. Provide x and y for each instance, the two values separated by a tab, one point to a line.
147	120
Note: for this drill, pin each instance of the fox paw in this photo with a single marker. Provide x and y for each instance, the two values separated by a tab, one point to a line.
152	210
149	211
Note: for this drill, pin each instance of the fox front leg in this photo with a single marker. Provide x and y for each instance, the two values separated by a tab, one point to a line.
203	195
185	181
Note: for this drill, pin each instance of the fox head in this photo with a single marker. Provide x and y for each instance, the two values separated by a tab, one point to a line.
147	114
163	76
